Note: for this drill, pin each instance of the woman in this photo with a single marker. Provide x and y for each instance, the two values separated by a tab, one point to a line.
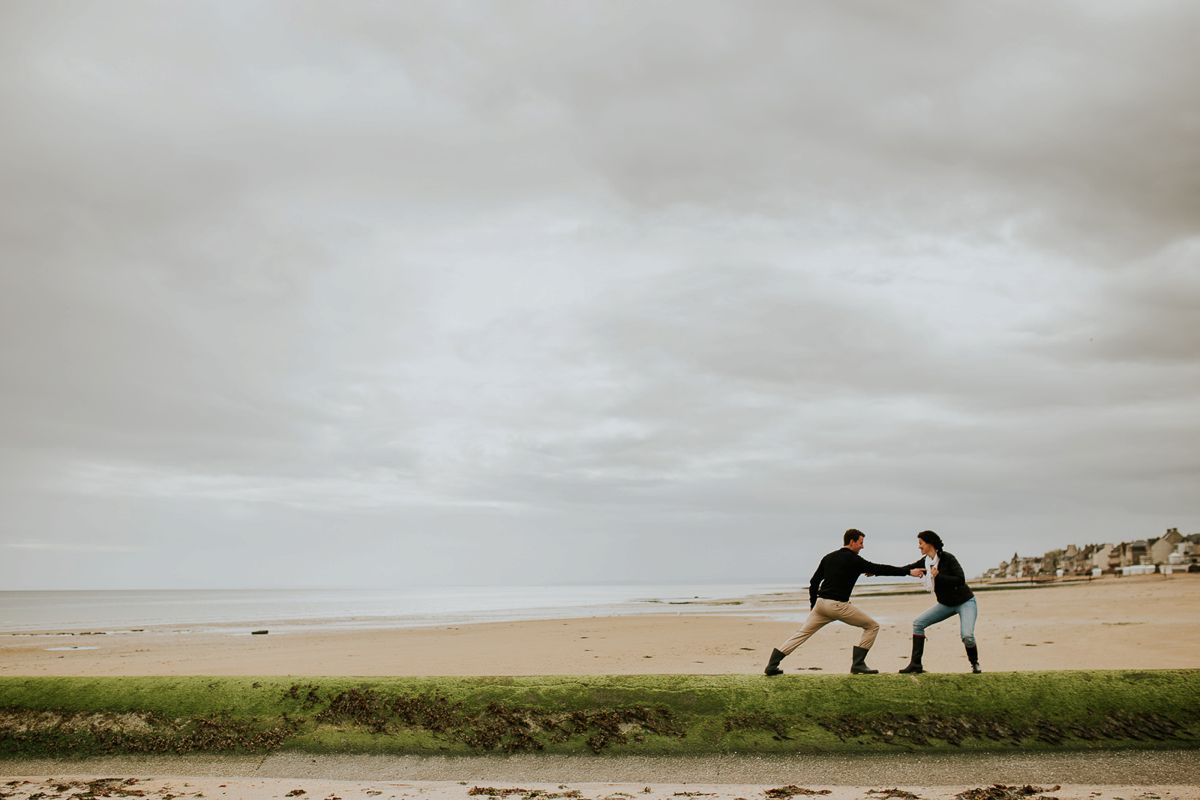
942	575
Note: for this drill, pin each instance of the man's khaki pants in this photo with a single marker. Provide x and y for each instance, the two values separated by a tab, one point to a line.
827	611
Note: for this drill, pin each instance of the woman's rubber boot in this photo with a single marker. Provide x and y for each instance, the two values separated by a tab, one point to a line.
973	656
914	665
773	665
859	665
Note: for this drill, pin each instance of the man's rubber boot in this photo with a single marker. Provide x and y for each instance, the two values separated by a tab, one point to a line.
973	656
859	665
773	665
914	664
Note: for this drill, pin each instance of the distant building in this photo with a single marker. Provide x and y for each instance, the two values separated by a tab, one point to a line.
1161	550
1136	553
1170	553
1107	558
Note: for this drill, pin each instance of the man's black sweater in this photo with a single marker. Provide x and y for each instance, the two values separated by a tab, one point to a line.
839	571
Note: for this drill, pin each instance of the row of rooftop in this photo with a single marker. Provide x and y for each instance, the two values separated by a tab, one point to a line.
1171	552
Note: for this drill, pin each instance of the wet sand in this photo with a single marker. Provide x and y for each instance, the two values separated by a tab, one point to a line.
1113	623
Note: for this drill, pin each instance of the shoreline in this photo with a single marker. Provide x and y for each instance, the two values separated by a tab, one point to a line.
702	598
1128	623
763	604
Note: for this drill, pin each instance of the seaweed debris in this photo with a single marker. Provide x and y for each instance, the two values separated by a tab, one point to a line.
499	726
758	720
999	791
526	794
307	694
955	729
23	730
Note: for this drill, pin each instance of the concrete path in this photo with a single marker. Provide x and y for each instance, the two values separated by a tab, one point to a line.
212	788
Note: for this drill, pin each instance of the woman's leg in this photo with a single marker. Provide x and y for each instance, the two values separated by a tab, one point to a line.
932	616
968	612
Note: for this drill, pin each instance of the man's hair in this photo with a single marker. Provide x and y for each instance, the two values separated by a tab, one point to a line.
854	534
929	537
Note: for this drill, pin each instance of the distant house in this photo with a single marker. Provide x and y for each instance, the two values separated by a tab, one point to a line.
1084	562
1018	567
1107	558
1077	560
1072	560
1165	545
1135	553
999	571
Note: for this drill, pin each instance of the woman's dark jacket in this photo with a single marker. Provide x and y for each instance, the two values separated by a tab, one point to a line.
950	586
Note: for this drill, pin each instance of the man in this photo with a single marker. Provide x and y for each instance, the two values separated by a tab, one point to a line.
829	598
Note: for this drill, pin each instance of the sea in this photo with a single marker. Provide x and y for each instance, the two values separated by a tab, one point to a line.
284	610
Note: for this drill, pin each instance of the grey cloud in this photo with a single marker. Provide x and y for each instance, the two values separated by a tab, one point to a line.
561	275
1146	313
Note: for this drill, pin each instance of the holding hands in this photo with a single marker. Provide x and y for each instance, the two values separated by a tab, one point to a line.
917	573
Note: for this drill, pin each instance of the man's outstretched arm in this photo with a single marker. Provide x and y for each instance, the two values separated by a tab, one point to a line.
871	568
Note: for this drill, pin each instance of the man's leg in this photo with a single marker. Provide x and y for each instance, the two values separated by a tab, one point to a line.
860	619
818	618
851	615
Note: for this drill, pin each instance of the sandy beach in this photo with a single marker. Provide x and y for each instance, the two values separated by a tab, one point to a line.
41	788
1112	623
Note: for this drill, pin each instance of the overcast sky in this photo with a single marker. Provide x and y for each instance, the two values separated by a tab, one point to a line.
538	292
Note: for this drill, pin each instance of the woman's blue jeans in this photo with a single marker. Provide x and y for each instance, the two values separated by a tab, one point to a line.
967	614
